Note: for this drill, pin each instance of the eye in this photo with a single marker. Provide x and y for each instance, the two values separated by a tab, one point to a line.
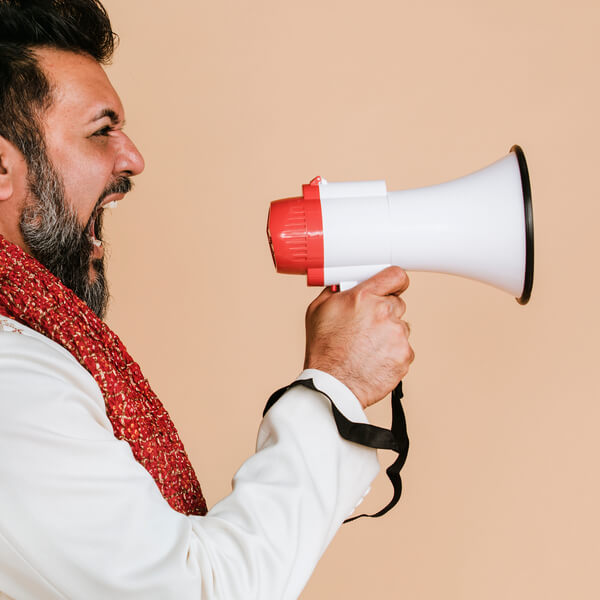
102	132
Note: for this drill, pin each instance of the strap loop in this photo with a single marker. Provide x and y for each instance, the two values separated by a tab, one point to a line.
395	439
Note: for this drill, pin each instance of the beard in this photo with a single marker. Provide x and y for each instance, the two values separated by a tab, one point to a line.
55	237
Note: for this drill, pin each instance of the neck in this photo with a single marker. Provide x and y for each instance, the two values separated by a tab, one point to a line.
10	231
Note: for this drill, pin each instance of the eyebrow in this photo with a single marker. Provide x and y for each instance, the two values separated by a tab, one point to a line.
111	114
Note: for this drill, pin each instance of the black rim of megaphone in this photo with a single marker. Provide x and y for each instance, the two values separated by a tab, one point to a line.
528	283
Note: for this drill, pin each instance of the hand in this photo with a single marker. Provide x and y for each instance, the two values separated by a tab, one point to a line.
359	337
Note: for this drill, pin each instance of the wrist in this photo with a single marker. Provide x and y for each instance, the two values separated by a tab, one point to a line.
341	376
344	398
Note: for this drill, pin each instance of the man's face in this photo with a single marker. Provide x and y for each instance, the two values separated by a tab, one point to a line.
87	165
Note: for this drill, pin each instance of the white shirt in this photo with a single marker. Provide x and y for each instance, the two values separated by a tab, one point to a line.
80	518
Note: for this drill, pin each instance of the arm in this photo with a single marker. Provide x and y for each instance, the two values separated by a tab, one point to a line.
79	517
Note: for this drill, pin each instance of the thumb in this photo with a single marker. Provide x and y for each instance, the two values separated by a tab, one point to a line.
392	280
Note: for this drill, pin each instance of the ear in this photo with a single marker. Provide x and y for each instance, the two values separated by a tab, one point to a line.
13	171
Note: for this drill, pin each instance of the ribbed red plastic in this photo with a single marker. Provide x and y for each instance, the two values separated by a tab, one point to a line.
295	232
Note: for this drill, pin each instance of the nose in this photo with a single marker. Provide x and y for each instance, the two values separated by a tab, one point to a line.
129	160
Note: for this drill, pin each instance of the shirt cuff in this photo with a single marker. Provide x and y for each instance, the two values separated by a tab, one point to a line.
345	400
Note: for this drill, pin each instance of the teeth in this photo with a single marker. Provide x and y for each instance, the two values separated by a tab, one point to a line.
96	242
111	204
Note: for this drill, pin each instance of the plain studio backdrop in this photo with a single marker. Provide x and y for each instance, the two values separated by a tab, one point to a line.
235	104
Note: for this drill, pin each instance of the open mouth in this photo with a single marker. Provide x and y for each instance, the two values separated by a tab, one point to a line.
94	229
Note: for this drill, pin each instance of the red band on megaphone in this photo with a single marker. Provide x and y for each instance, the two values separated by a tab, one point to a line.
295	231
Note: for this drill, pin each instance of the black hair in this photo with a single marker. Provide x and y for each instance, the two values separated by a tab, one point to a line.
80	26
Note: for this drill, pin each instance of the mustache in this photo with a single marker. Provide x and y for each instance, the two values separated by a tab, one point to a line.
121	185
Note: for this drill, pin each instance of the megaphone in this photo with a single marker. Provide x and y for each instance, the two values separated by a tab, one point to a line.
479	226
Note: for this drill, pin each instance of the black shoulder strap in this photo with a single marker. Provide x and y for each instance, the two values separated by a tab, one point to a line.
395	439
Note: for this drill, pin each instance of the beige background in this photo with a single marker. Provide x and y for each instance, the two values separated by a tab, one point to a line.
235	104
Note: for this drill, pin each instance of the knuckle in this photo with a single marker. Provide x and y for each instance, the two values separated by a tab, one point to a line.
405	352
356	299
383	310
390	308
357	293
402	332
399	308
406	355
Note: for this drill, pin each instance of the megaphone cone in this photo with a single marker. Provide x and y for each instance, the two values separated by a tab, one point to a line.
479	226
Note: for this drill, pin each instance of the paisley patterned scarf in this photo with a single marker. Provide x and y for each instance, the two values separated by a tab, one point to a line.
30	294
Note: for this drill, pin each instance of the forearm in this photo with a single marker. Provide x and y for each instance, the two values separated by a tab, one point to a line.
289	499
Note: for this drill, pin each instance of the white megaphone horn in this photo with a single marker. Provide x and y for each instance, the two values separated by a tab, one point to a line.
479	226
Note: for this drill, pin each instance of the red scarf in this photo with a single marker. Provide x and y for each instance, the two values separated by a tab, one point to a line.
30	294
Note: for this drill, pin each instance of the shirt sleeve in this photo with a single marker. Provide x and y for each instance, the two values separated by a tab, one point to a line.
80	518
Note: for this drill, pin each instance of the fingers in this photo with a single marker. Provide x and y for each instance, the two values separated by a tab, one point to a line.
396	307
392	280
406	328
408	354
361	338
401	352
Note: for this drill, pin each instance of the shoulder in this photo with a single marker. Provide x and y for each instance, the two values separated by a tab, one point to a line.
33	368
16	338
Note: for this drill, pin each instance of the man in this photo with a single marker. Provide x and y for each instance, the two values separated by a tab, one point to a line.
97	496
